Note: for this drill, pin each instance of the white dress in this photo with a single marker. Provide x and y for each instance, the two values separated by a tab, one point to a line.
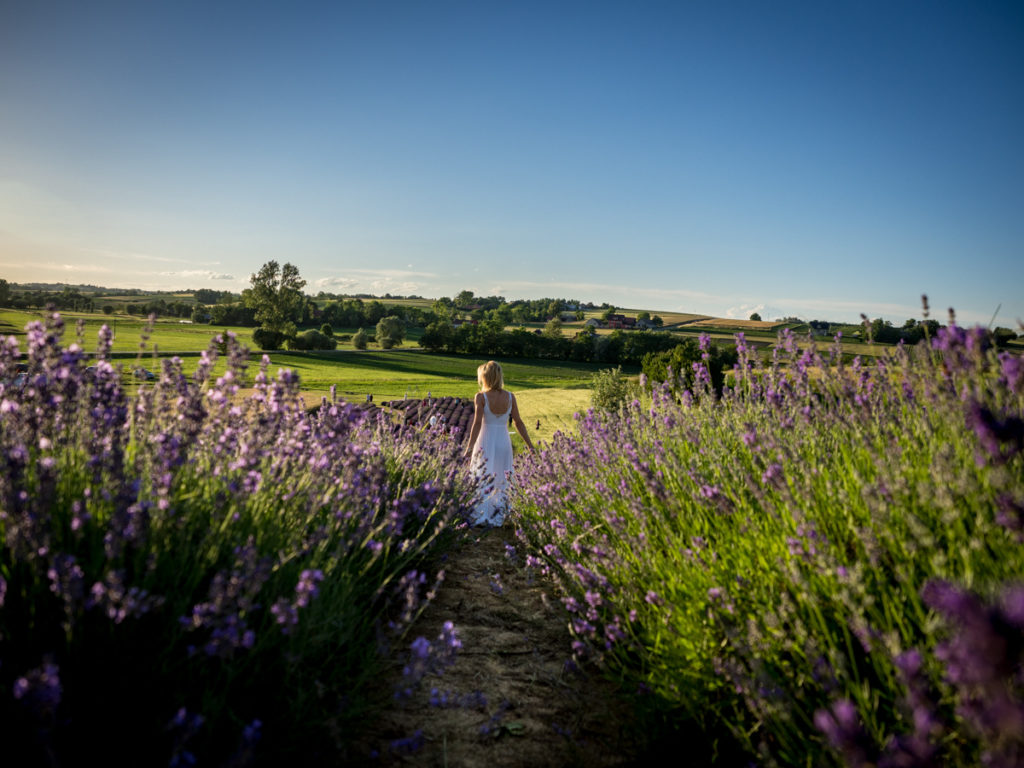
492	465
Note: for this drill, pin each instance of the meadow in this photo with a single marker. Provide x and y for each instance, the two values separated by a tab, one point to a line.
549	392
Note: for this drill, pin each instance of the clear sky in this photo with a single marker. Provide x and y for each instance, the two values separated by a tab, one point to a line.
819	159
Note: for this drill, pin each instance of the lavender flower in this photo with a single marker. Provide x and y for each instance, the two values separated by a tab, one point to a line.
40	689
1001	438
984	660
842	727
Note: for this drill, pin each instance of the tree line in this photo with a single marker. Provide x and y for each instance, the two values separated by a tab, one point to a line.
490	338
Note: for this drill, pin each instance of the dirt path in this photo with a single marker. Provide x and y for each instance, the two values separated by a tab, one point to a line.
511	698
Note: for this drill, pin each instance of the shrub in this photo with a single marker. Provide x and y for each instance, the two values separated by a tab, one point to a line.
612	390
681	365
361	339
326	329
267	340
312	339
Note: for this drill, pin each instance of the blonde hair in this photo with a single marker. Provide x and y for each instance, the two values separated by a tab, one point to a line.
489	376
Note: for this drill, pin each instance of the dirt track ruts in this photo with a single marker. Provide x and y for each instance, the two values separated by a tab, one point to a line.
539	711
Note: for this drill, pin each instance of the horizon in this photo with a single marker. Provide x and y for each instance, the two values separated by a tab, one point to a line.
144	293
790	160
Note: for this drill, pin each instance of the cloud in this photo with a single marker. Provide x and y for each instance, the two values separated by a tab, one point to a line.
84	268
744	311
110	253
579	289
200	273
734	312
336	284
393	274
387	285
829	308
400	281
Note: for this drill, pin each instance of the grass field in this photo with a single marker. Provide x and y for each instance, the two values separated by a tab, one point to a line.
549	391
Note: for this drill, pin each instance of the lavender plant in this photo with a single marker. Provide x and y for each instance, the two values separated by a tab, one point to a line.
189	573
763	563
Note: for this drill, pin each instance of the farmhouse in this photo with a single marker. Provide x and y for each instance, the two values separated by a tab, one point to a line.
621	322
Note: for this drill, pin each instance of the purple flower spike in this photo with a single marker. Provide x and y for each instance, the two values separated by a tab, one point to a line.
1002	439
40	689
842	727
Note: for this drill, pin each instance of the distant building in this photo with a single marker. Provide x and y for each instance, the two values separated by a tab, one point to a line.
621	322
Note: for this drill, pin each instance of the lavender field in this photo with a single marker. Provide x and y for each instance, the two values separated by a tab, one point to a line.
822	566
190	576
819	565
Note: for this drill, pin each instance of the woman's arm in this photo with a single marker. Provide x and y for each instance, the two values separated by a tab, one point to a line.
520	427
478	417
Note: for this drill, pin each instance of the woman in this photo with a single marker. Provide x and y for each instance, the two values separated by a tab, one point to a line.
490	447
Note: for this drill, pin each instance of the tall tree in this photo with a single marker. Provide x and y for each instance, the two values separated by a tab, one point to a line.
276	295
390	332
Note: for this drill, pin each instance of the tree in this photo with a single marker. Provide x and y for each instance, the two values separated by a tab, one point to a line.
390	332
1003	336
5	292
464	299
108	309
553	329
755	316
361	339
444	308
276	295
437	336
210	296
676	365
375	311
611	390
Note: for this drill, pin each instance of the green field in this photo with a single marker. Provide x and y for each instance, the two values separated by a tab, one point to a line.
549	391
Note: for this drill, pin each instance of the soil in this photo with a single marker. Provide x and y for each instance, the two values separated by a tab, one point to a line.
535	710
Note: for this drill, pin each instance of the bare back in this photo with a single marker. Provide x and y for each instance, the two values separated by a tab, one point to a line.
498	400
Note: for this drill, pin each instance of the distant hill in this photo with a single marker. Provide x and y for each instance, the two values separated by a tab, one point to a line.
84	288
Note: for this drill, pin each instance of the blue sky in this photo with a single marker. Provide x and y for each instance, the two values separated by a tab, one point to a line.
812	159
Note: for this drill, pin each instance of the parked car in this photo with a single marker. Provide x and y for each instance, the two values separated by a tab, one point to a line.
144	375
